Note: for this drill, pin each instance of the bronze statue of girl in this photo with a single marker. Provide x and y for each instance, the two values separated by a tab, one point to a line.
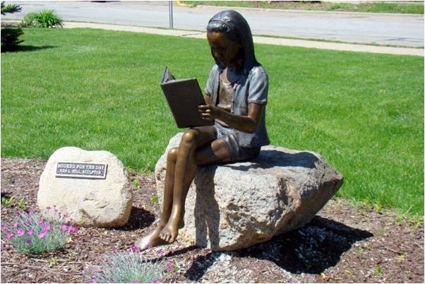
236	97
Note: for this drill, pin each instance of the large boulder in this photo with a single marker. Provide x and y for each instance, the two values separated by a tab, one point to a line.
237	205
91	187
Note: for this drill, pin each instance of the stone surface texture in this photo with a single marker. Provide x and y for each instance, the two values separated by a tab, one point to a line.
237	205
88	202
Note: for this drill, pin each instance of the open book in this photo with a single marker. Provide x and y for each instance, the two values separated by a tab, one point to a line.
184	96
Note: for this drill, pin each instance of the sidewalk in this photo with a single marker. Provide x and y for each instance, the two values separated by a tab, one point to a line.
258	39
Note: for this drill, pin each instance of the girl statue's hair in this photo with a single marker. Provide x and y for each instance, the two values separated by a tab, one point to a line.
237	29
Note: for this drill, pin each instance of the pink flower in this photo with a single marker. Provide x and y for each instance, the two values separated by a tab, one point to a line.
155	281
29	233
64	227
42	235
48	208
134	249
40	221
46	226
5	227
9	235
20	232
72	229
28	242
170	265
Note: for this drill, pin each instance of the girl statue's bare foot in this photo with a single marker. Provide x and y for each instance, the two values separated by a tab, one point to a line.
170	231
151	240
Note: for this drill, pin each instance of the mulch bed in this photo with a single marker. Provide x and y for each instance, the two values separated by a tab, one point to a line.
344	243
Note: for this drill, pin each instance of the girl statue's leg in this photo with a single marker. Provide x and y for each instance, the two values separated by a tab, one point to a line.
153	239
181	168
185	170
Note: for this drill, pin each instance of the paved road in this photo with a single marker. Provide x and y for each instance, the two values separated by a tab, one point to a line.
363	28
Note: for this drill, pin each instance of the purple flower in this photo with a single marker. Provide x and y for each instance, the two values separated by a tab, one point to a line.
48	208
72	229
155	281
134	249
28	242
29	233
42	235
64	227
20	232
5	227
94	281
46	226
170	265
9	235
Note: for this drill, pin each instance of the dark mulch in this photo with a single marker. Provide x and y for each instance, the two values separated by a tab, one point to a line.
344	243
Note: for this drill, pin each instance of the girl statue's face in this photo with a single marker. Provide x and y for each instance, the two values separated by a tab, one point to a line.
225	50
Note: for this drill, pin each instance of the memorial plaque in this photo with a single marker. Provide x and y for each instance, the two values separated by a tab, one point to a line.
81	170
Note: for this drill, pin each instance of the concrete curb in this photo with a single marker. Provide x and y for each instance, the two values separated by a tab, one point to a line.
258	39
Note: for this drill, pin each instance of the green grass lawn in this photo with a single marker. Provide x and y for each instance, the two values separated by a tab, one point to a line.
99	90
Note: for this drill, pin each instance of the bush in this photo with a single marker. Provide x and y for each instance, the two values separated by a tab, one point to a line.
131	267
10	36
31	234
42	19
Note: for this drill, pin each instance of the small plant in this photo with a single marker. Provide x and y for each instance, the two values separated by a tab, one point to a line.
42	19
22	204
136	183
7	201
154	199
132	267
31	234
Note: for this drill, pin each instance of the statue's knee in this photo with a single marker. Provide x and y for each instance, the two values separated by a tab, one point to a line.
172	154
189	137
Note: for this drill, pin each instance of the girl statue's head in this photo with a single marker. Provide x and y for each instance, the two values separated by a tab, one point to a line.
229	29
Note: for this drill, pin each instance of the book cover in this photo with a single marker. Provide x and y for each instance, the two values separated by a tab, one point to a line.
183	97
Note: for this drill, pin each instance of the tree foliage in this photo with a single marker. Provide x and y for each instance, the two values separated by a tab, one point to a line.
10	35
10	8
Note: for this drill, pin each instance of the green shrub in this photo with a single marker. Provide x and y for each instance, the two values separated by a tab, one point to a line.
42	19
10	38
10	8
9	35
132	267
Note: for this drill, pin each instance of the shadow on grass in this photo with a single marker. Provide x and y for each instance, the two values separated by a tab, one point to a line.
26	48
311	249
